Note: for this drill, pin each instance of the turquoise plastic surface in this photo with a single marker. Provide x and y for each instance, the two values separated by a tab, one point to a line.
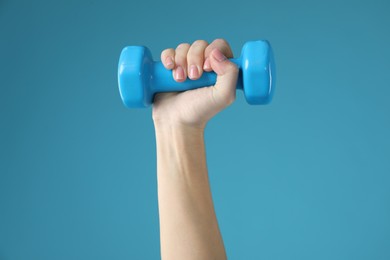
139	77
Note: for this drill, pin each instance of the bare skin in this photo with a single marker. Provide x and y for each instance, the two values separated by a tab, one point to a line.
188	224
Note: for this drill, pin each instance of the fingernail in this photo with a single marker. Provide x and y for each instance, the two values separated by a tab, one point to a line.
194	72
218	55
179	73
169	61
206	65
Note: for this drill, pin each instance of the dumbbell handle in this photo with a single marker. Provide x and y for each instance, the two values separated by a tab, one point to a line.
162	79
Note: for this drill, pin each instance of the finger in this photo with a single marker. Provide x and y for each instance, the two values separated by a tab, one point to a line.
195	58
222	45
206	65
227	74
180	71
168	58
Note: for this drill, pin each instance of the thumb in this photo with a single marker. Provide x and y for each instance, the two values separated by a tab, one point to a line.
227	74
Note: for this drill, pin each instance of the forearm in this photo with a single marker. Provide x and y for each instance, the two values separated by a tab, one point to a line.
188	224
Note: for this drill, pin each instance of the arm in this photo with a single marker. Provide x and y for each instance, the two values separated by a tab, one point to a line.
188	224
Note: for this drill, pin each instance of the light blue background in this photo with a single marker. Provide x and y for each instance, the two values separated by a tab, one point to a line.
307	177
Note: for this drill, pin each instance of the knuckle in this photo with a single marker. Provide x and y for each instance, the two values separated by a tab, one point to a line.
220	41
181	52
223	46
167	52
200	43
183	45
196	52
194	57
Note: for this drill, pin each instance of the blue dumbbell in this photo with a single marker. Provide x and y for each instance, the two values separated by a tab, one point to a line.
139	77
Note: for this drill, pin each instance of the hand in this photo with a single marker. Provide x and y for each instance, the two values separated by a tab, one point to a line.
195	107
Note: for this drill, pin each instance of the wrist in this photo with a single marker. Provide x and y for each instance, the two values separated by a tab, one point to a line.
180	148
178	128
178	137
